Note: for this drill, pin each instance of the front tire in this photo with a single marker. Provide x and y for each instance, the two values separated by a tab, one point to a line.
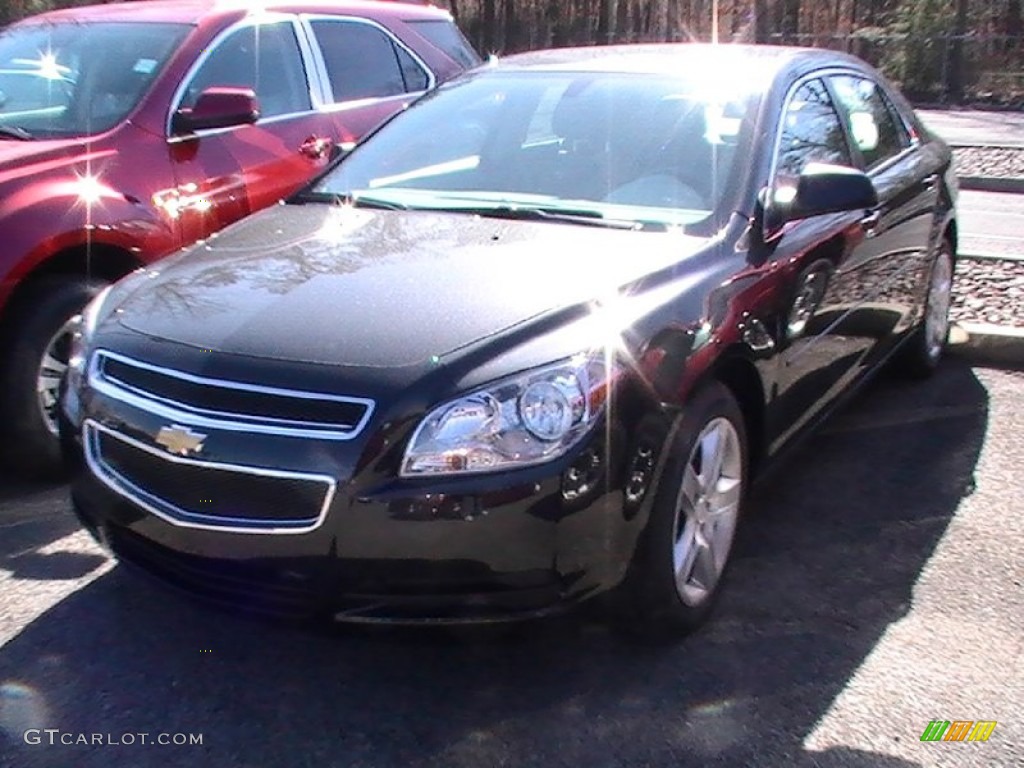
33	358
677	571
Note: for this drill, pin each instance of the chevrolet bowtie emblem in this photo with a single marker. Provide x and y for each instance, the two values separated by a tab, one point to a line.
180	440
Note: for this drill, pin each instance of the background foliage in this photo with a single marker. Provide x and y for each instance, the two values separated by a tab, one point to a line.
937	50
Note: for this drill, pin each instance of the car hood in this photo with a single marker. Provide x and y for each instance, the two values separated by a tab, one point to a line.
355	287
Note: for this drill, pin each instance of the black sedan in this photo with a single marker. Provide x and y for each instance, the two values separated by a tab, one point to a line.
526	345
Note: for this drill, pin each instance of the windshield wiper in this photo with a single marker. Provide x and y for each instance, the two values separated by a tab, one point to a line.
15	132
369	201
584	216
357	201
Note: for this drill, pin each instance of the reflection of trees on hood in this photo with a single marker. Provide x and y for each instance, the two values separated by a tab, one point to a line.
279	251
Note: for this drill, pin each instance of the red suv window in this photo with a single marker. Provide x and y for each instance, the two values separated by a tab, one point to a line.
363	62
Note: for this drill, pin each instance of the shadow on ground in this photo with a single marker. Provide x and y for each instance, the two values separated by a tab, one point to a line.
32	516
825	564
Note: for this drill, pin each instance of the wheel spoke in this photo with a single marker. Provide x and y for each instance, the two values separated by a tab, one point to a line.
712	447
726	497
51	364
684	553
704	573
691	488
48	383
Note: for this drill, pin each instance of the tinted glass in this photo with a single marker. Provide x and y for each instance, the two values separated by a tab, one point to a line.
869	116
362	62
78	79
559	138
416	78
447	37
265	58
811	131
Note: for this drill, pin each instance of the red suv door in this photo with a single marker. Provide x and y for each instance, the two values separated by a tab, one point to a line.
368	73
223	174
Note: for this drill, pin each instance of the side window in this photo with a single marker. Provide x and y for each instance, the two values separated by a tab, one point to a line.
870	118
811	131
362	62
265	58
416	79
445	36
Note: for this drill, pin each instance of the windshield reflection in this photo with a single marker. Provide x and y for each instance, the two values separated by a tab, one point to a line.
556	142
64	80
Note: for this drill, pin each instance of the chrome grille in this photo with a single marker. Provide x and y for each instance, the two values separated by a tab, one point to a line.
201	494
232	405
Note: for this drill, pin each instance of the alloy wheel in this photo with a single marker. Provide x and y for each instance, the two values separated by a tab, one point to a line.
707	510
51	370
940	293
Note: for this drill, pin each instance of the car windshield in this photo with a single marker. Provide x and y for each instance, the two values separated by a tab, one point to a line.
59	80
590	147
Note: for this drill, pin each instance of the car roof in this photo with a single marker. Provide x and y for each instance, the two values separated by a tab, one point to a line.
192	11
667	58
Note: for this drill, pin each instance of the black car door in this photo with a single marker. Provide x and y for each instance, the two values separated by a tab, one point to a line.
820	348
892	260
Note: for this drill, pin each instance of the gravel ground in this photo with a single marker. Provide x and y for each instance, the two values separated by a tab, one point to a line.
989	291
993	162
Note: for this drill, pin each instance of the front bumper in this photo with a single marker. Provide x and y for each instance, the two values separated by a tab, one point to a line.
422	557
483	548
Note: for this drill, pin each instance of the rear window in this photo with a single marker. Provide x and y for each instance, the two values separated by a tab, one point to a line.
363	62
447	37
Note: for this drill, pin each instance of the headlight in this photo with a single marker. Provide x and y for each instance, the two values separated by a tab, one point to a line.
82	327
527	419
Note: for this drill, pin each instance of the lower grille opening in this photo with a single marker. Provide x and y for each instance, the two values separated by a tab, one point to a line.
197	493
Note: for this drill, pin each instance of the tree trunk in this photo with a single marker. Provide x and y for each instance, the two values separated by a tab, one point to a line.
956	54
659	23
489	24
1014	19
607	20
511	35
762	22
622	25
789	19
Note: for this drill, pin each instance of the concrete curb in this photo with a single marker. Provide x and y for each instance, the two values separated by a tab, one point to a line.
981	256
991	344
986	145
992	184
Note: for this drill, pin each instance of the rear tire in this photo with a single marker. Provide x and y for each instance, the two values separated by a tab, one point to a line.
922	353
677	570
33	357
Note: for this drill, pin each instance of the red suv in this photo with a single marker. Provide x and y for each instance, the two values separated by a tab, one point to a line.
130	130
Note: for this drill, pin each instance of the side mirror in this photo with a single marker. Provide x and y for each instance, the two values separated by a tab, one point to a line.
819	189
218	107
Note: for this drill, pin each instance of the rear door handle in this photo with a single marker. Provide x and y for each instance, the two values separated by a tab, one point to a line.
316	147
931	182
870	222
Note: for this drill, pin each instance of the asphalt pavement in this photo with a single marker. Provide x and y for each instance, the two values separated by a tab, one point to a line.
877	587
991	223
976	127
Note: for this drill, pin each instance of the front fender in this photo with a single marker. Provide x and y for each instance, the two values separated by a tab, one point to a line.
72	216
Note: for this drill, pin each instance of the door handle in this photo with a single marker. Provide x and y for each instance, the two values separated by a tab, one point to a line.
931	182
316	147
870	222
